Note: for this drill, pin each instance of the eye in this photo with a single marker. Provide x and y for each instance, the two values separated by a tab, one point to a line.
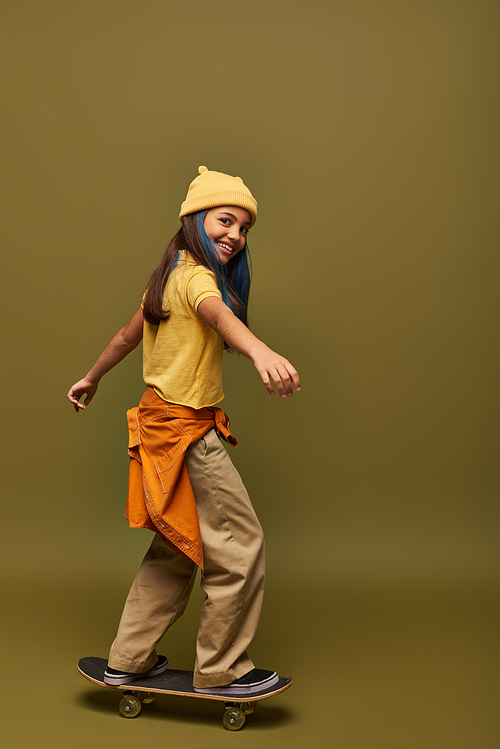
225	221
244	229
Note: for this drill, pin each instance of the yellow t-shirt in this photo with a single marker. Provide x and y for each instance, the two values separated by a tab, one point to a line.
182	356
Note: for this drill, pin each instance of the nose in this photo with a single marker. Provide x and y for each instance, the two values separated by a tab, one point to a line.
233	233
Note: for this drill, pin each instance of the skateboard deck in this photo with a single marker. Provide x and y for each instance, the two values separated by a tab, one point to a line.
180	683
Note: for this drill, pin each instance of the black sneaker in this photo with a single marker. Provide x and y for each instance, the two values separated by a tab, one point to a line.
116	678
254	681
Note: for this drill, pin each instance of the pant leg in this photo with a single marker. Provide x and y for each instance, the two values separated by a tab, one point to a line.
234	578
233	549
158	596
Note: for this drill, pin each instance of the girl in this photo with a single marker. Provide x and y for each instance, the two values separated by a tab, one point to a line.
182	484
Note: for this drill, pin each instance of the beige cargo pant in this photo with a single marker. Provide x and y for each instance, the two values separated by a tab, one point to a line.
233	546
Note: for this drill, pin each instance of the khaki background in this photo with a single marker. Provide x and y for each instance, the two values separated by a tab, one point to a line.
368	130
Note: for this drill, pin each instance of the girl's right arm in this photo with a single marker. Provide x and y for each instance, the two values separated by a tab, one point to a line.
125	341
271	366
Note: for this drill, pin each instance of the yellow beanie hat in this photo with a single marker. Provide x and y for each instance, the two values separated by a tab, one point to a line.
211	189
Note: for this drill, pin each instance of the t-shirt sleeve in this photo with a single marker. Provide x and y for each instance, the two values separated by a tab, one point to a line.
201	285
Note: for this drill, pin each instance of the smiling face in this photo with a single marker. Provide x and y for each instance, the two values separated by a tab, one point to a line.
227	227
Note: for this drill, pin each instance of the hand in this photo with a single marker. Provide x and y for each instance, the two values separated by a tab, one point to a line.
80	388
269	365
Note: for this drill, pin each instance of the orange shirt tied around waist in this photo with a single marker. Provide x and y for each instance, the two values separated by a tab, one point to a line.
160	496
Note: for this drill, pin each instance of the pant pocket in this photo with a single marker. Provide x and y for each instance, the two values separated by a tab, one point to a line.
204	445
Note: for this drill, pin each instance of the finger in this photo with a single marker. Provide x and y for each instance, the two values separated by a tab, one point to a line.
285	374
290	379
279	384
76	403
287	383
294	375
267	382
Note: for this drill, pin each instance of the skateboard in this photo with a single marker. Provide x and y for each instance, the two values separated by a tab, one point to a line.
179	683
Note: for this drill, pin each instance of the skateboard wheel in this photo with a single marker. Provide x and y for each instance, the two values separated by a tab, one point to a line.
130	706
247	707
233	719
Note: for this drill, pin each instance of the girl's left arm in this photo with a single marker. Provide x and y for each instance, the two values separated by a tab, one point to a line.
269	364
125	341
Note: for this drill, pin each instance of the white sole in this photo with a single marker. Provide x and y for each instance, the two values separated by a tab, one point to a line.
237	690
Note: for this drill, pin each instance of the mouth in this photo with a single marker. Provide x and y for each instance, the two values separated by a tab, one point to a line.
225	248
